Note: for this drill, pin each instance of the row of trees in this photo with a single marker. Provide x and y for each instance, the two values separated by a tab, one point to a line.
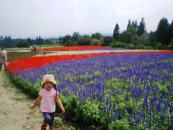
135	36
9	42
77	39
132	29
68	40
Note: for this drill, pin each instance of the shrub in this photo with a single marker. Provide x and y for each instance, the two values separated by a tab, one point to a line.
58	122
119	44
170	46
25	86
107	40
72	128
95	42
71	104
89	113
121	124
130	46
148	47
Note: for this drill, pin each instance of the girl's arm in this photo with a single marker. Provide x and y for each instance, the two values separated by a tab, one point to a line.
58	100
36	101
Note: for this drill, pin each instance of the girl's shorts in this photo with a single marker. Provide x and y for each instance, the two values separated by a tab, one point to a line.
49	117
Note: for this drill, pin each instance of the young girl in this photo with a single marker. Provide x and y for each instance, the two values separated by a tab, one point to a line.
48	97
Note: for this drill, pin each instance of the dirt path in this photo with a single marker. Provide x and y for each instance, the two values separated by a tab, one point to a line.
15	112
88	51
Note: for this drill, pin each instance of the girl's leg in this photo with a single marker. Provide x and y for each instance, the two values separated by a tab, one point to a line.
43	126
0	66
52	120
5	66
50	127
49	119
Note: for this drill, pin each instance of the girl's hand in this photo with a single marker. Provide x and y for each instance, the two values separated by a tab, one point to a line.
62	115
63	111
36	102
33	106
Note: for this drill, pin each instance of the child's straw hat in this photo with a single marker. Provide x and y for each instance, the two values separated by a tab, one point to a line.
48	78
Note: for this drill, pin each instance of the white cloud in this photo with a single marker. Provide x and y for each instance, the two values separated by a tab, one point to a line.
22	18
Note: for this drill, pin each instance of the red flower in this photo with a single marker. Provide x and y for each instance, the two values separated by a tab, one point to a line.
38	61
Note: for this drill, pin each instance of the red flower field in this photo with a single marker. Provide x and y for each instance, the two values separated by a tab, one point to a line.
38	61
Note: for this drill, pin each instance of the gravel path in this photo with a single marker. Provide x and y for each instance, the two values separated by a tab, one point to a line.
15	112
91	51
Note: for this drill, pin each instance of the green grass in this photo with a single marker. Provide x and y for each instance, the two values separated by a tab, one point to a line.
17	55
19	98
17	49
50	45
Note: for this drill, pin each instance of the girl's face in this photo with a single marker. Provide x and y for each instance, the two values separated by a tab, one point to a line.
48	85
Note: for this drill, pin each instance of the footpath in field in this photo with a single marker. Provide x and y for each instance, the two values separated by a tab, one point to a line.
90	51
15	112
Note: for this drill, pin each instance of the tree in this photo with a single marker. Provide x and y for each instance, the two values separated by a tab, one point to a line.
39	40
116	32
85	40
60	39
67	40
97	36
29	41
131	33
22	43
7	42
129	24
162	33
171	31
95	42
107	40
152	36
1	37
136	24
132	27
75	36
141	28
126	36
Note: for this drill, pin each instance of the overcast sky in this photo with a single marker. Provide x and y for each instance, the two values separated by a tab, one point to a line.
51	18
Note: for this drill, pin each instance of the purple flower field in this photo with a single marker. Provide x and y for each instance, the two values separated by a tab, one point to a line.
138	88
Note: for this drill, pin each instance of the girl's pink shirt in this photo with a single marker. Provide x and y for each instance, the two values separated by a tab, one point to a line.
47	100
